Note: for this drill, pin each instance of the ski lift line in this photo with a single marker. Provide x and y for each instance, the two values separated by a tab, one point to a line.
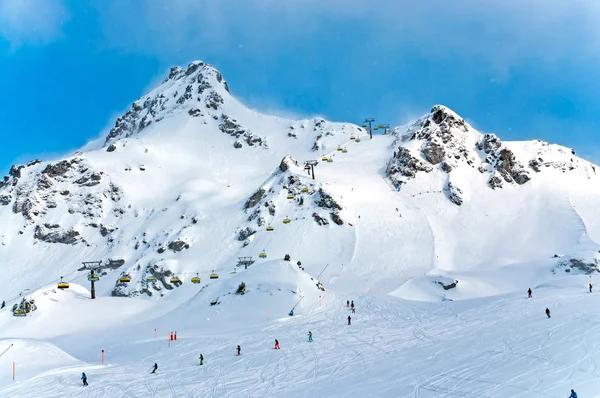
44	285
4	352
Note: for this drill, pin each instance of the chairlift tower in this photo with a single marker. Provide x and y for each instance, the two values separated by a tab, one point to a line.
370	120
312	164
245	261
92	266
385	128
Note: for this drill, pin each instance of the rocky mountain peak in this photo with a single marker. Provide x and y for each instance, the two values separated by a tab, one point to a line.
199	90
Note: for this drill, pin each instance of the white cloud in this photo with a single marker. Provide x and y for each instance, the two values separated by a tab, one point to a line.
503	33
31	21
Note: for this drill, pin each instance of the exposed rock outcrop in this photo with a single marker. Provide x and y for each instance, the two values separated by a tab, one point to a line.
455	194
178	245
53	233
320	220
325	201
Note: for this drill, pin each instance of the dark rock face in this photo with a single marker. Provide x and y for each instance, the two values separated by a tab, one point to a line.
405	165
195	112
15	171
178	246
254	199
495	181
34	162
335	216
111	148
53	233
105	230
433	152
449	285
446	167
510	169
233	128
325	201
214	100
535	164
587	267
243	234
5	200
455	194
60	168
490	143
320	220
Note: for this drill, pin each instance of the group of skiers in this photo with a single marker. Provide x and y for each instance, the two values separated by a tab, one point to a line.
529	295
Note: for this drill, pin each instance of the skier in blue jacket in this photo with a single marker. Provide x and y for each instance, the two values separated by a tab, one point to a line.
573	394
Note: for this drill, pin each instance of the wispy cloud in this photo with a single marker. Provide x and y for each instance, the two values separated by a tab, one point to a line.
31	21
504	32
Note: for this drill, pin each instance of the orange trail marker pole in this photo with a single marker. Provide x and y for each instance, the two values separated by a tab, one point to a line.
103	357
14	369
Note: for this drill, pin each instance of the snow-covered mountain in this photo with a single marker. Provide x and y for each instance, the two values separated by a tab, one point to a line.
190	183
189	179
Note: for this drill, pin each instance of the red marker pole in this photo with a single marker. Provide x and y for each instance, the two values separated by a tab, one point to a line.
102	356
14	370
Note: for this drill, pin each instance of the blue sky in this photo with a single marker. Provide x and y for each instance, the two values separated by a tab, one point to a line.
520	69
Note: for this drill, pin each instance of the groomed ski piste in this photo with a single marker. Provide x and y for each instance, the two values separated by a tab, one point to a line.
409	337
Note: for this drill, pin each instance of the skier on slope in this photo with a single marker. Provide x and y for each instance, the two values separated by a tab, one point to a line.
84	379
239	350
201	359
529	292
277	344
590	286
547	312
310	336
154	368
347	303
573	394
349	320
352	304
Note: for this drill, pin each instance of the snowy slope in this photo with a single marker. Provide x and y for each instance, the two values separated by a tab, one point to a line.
189	180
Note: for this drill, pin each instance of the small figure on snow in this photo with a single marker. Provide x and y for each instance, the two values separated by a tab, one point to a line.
239	350
84	379
547	312
353	310
201	359
310	336
349	320
3	304
529	292
155	367
590	286
347	303
352	304
277	344
573	394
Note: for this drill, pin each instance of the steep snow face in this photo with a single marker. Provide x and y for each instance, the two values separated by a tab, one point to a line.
165	194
